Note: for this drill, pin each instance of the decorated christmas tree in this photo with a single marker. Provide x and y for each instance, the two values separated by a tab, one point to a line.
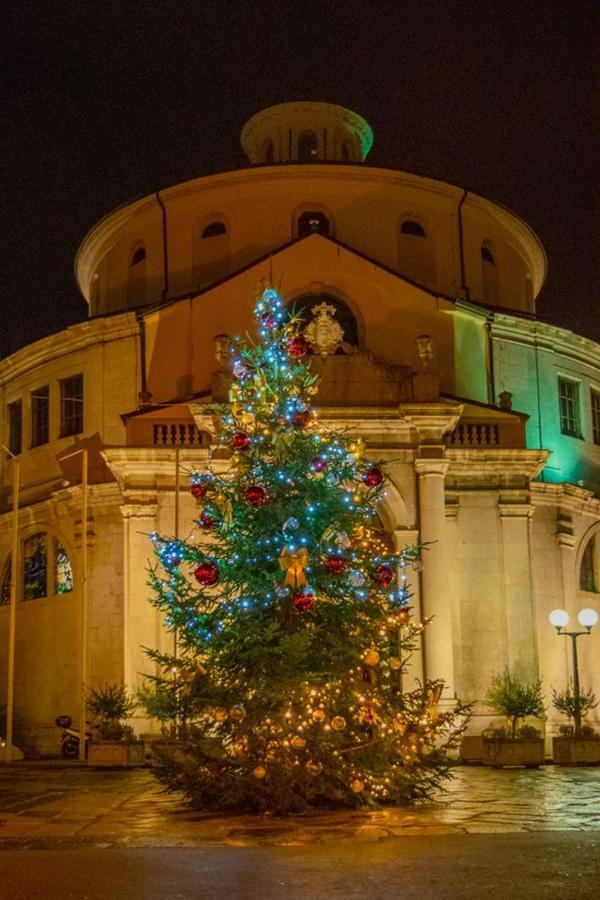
291	610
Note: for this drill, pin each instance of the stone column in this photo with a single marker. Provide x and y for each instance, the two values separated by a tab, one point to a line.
141	620
408	537
521	643
439	659
566	541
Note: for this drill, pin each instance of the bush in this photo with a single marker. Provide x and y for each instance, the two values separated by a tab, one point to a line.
515	699
111	704
574	705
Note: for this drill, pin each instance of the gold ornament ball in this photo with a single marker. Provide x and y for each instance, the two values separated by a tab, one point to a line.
372	657
314	767
237	713
318	715
239	748
259	772
395	663
357	786
338	723
220	715
298	742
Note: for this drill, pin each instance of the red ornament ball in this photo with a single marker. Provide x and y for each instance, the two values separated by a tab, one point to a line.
256	495
269	321
207	573
198	490
301	418
240	440
336	565
383	575
298	346
319	464
207	521
303	602
372	476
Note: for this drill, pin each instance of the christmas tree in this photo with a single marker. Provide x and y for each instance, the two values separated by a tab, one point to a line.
292	612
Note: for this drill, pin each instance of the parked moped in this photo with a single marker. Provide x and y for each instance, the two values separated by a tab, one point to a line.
69	739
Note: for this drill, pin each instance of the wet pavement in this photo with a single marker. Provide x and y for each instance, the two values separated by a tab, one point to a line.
42	806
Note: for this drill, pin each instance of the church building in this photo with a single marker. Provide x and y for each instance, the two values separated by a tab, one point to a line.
420	305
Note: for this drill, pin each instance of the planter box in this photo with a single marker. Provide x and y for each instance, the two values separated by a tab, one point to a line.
471	748
116	753
498	752
576	751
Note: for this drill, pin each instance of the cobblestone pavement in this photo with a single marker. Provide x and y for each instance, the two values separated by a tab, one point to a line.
41	805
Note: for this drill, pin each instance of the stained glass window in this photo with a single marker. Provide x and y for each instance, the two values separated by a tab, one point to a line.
35	567
5	585
64	571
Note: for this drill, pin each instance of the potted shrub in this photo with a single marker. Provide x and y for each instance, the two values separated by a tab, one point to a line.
116	745
577	744
519	746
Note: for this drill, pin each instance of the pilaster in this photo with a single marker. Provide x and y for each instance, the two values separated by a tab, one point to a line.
515	514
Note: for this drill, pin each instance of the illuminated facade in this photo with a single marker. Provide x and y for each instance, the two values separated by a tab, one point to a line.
488	418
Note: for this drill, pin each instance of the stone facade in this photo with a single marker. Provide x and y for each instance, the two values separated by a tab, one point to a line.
444	371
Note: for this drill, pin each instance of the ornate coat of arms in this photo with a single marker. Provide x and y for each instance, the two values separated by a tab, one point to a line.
324	333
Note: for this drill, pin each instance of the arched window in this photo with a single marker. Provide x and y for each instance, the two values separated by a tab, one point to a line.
413	228
304	306
489	274
313	223
308	146
214	230
138	256
5	583
210	251
416	251
268	153
46	567
346	155
64	571
136	284
95	292
588	569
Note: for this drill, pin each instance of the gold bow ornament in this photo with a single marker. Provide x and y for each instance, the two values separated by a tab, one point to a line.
293	563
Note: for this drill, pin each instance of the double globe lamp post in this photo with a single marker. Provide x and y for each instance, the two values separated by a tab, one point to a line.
587	618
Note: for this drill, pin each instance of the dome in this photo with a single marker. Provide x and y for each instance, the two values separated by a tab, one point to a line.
306	132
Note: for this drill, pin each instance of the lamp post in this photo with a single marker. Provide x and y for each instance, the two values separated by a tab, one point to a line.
559	618
83	602
12	622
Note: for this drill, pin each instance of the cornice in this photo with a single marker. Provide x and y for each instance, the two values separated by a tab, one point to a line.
569	497
495	463
104	233
546	337
57	346
148	470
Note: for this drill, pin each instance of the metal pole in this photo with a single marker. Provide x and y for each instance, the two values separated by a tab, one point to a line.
83	564
12	622
177	478
574	636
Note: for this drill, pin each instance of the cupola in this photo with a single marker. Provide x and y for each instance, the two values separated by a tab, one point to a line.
306	132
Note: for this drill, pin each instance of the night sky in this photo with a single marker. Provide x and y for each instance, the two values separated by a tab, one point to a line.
108	101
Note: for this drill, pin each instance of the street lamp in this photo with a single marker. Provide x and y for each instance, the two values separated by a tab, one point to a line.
12	622
587	617
83	612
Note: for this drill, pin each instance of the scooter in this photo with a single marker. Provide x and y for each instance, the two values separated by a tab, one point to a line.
69	739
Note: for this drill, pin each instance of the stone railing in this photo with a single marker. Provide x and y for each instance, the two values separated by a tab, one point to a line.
475	434
487	434
176	434
149	432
